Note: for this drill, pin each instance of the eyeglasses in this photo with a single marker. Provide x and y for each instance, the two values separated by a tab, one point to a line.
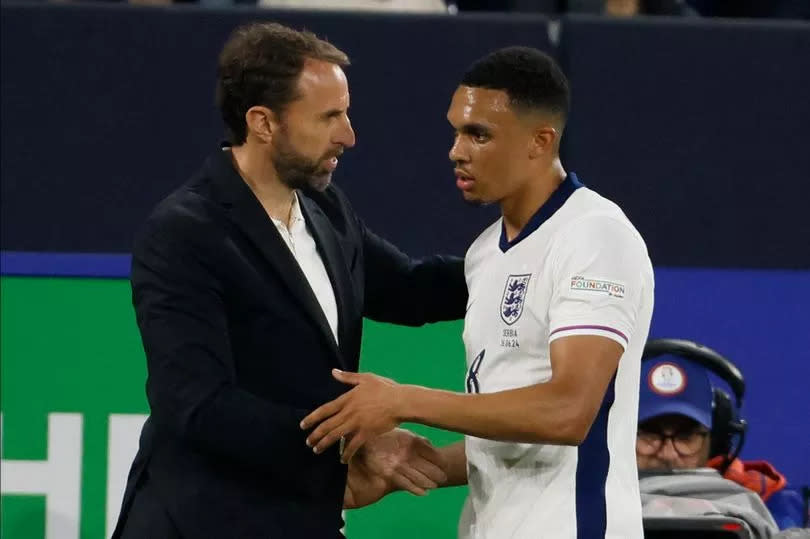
686	443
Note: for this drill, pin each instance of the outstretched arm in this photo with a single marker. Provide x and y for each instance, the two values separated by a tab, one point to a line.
411	291
559	411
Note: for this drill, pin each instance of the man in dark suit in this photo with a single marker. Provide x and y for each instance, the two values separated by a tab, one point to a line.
250	283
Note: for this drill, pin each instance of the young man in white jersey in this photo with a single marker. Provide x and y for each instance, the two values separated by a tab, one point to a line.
560	301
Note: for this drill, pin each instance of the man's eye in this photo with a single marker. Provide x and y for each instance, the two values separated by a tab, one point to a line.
480	137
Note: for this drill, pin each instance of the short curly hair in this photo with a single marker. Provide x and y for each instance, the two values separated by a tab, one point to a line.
260	65
531	79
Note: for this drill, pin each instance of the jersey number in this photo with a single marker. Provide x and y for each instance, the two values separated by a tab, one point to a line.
472	373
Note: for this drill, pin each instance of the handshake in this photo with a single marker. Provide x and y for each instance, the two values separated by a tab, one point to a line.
382	458
395	460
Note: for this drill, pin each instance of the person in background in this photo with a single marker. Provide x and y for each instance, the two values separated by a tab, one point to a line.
618	8
391	6
679	429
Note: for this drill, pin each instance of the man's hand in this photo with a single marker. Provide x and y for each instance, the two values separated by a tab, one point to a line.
396	460
360	415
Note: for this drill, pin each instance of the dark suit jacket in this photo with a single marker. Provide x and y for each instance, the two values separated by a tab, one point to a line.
238	352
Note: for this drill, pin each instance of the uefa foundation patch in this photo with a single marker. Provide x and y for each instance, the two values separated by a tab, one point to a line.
610	288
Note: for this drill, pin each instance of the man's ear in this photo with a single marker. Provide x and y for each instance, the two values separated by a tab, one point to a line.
544	141
261	123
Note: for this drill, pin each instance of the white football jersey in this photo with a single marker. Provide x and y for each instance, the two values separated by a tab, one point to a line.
579	267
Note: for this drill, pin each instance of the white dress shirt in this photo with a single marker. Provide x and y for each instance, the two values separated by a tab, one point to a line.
302	245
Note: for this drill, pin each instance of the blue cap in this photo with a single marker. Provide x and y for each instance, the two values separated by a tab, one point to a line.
674	385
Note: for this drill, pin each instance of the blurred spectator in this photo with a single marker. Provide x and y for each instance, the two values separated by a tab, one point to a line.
687	422
629	8
783	9
420	6
794	9
555	7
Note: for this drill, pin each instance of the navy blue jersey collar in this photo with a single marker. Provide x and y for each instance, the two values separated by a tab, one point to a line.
570	184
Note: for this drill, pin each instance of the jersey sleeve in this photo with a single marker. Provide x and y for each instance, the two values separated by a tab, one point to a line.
598	269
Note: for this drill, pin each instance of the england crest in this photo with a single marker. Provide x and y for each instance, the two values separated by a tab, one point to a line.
514	295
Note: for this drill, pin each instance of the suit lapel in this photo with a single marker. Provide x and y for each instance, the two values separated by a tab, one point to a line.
332	256
247	213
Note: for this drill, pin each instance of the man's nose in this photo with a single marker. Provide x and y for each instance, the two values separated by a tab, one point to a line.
345	136
668	451
456	154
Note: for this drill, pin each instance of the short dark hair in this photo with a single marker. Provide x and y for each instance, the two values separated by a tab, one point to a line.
531	79
260	65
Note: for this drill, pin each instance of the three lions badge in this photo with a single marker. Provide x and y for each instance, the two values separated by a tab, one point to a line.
514	297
